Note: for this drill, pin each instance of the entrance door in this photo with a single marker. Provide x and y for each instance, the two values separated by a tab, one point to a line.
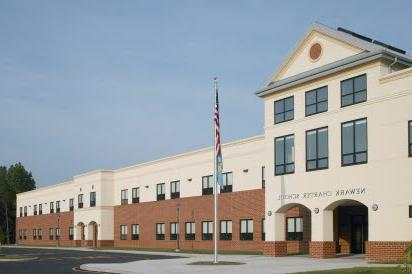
358	227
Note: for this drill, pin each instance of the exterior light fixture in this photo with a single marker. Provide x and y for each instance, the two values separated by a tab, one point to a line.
246	170
270	213
189	180
316	210
375	207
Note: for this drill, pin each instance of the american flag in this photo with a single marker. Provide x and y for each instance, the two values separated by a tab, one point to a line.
218	148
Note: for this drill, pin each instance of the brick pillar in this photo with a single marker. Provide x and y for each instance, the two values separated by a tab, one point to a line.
322	250
275	248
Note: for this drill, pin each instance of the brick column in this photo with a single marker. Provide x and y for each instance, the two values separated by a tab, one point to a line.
322	250
275	248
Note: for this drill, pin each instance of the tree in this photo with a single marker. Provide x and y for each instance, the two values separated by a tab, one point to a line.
14	180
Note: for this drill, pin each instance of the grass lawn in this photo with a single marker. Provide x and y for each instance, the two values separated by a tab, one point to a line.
360	270
13	257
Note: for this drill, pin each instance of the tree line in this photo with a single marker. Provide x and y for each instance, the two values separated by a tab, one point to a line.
13	180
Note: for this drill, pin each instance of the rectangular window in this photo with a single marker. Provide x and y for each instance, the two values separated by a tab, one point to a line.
57	206
295	229
226	230
71	233
135	195
71	204
24	234
207	230
190	231
35	209
354	142
21	211
51	207
316	101
39	234
174	231
25	211
317	154
207	185
57	233
410	211
263	177
285	155
263	229
353	90
410	138
20	234
160	231
135	232
80	201
161	191
123	232
40	209
34	234
124	197
246	230
92	199
51	234
174	189
227	182
284	110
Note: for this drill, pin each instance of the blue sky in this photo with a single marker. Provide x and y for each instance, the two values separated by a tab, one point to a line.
105	84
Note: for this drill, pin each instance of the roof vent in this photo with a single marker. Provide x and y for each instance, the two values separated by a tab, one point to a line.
370	40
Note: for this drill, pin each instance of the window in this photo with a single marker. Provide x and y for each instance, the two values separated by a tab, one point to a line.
160	191
20	234
135	232
135	195
410	138
51	234
124	197
295	229
246	230
353	90
35	209
175	190
354	142
21	211
80	201
263	229
40	209
92	199
39	234
227	182
174	231
57	233
317	149
410	211
207	185
316	101
25	211
24	234
285	155
34	234
71	233
263	177
190	231
207	230
71	204
226	230
51	207
284	110
160	231
123	232
57	206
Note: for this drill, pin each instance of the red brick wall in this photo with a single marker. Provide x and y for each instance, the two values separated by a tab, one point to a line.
44	222
322	250
386	251
275	248
232	206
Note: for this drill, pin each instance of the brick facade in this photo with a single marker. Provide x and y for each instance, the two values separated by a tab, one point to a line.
232	206
386	251
322	250
275	248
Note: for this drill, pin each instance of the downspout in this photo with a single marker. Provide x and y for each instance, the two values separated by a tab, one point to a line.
392	64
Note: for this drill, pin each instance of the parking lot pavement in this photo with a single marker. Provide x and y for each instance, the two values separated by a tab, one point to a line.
60	261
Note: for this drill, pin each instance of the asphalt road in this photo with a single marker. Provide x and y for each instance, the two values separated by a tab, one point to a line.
54	261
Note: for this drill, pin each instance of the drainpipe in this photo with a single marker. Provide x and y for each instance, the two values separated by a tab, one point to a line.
393	63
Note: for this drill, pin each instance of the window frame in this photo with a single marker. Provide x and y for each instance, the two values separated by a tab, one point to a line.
317	159
160	236
227	187
284	155
295	235
35	209
25	211
71	233
124	201
354	143
209	234
263	176
410	211
57	206
51	207
92	202
34	234
316	91
210	183
80	203
51	234
71	204
58	233
40	209
192	235
174	236
283	100
410	138
353	88
123	236
175	185
246	236
162	195
133	228
263	229
39	234
226	236
136	198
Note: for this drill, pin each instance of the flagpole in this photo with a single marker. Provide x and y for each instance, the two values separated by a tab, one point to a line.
215	260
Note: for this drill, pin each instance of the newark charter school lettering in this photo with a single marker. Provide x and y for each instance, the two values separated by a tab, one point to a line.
319	180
